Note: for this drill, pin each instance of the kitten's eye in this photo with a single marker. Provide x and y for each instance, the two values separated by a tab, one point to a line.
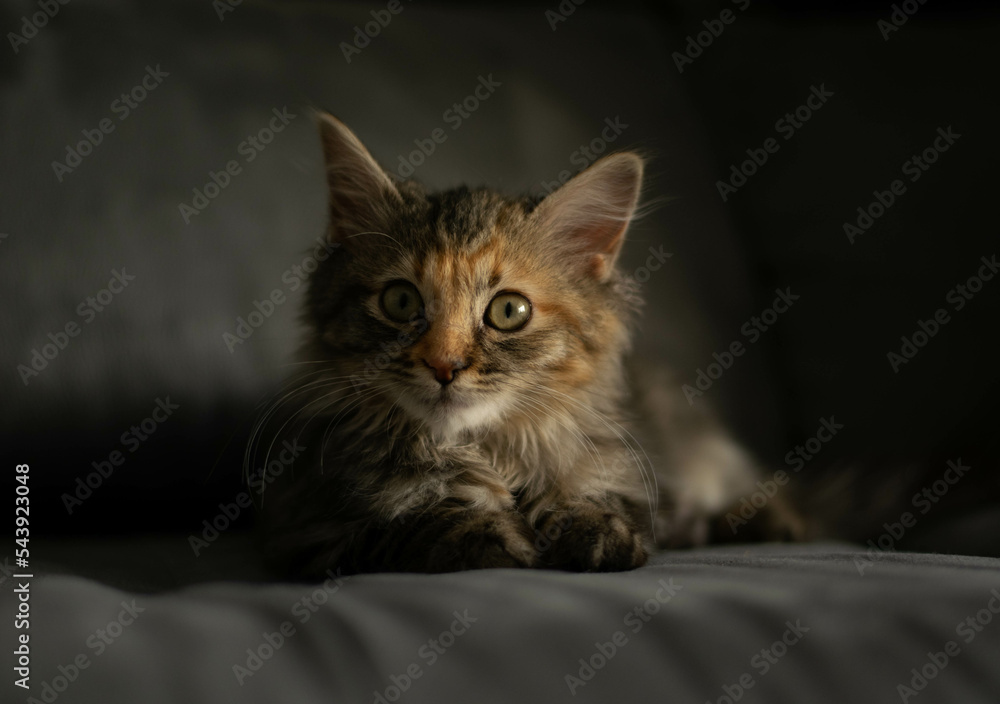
401	301
508	311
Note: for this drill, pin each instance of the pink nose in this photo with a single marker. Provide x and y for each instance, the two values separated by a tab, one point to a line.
444	369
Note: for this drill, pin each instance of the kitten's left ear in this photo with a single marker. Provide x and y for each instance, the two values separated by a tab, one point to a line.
359	188
587	217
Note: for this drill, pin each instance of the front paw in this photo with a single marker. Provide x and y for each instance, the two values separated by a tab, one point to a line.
483	539
590	536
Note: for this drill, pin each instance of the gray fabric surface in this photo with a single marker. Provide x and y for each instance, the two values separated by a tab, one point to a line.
865	633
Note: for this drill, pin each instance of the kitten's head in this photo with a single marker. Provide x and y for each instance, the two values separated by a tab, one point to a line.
466	307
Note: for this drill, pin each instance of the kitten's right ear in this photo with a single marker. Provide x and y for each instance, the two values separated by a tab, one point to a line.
359	188
587	218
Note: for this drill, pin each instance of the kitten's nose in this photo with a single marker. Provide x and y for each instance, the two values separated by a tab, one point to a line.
444	369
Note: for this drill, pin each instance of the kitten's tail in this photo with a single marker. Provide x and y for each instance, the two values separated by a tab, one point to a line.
930	504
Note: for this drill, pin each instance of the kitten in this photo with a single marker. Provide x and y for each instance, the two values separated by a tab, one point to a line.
465	396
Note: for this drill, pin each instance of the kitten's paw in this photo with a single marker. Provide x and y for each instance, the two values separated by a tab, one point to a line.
590	537
483	540
776	521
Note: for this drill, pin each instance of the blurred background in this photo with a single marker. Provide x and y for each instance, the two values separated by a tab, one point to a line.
162	178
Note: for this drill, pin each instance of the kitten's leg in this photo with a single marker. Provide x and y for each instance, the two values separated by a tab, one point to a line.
590	535
444	538
452	538
412	522
703	502
703	475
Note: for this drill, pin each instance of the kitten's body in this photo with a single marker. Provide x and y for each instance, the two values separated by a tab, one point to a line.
489	427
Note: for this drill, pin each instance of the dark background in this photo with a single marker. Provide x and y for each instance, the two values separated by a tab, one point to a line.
163	336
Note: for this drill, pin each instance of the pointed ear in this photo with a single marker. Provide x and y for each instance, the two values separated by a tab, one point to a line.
359	189
587	217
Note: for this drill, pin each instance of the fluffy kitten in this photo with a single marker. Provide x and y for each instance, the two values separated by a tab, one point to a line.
465	397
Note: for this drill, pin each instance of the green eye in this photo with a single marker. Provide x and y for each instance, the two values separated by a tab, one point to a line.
401	301
508	311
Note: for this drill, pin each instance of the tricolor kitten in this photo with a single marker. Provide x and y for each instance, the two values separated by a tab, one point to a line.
464	392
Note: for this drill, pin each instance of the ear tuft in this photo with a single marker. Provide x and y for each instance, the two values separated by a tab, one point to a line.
587	218
359	188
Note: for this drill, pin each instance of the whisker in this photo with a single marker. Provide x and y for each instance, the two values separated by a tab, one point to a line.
258	429
398	247
579	435
365	394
